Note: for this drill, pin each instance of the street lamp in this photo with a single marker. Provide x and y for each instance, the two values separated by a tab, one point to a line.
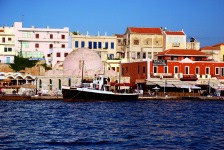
36	84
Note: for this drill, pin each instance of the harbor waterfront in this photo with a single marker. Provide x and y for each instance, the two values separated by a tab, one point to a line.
141	98
151	124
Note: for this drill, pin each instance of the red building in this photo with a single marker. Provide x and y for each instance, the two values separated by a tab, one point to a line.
175	64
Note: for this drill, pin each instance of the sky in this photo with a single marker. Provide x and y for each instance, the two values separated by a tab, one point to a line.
201	19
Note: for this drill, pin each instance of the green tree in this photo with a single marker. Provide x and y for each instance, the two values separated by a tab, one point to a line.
21	63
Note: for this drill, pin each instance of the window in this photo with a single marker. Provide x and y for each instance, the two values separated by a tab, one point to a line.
222	71
82	44
7	59
133	55
62	36
90	45
50	45
9	49
136	42
176	69
5	49
118	69
76	44
138	55
111	56
9	39
112	45
216	71
51	36
186	70
165	69
37	36
170	39
106	45
3	40
197	71
62	45
181	39
58	54
65	54
99	44
144	55
36	45
94	45
38	54
150	55
207	70
155	69
25	45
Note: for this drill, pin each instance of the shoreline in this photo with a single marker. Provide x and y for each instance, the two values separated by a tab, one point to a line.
140	98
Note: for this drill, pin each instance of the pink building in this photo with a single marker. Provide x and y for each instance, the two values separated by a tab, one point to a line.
36	43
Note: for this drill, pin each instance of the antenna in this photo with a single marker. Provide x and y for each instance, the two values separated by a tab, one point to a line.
22	17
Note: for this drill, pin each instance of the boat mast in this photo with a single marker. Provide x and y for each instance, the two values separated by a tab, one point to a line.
82	72
119	75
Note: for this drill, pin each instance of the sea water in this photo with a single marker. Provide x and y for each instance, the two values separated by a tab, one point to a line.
161	124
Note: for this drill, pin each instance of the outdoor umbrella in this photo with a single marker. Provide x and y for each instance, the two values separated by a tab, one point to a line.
156	89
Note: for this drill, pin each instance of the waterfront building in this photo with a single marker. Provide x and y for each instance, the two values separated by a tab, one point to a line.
35	43
212	52
142	43
174	67
174	39
7	44
220	46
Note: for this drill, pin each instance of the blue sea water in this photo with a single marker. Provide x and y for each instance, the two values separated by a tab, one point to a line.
162	124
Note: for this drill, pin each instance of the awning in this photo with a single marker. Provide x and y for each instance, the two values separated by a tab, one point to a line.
121	84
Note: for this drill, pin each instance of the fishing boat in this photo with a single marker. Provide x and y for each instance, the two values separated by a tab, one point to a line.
98	90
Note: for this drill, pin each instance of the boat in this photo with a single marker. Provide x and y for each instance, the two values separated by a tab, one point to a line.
97	90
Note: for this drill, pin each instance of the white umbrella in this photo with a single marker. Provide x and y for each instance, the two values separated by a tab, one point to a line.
156	88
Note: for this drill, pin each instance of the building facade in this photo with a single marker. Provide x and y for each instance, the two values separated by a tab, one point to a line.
174	39
36	42
7	44
142	43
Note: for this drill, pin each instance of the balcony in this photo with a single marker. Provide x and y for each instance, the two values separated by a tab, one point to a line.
176	44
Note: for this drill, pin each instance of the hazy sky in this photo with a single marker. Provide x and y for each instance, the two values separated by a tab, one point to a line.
202	19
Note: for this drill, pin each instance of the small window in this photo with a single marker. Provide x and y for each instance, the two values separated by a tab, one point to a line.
36	45
94	45
58	54
5	49
9	39
62	36
90	45
99	45
51	46
51	36
3	40
62	45
82	44
136	42
106	45
37	36
138	55
9	49
112	45
76	44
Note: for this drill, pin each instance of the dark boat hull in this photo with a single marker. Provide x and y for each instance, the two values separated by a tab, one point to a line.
77	95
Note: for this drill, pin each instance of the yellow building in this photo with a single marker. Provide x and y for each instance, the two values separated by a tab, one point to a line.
142	43
7	44
174	39
220	46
